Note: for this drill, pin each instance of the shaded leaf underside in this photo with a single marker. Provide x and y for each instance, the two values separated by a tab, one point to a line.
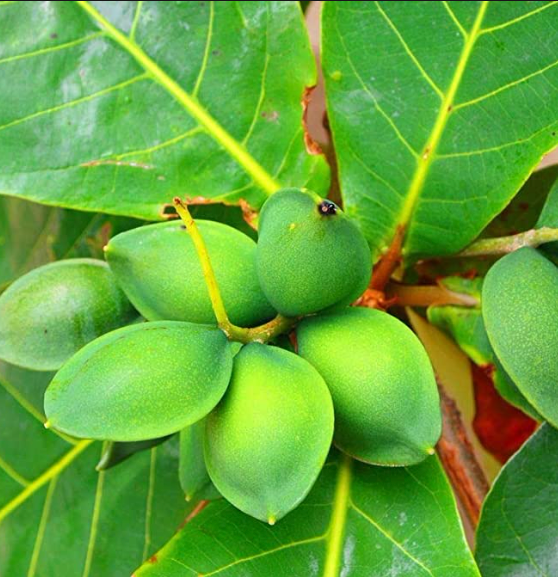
32	234
439	112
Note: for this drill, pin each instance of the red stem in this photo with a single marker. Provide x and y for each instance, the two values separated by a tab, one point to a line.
459	460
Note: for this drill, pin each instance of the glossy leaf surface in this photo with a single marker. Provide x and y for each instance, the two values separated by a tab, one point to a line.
419	100
517	531
358	521
125	103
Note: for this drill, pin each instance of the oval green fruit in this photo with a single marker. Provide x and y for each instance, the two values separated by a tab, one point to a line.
51	312
140	382
268	438
310	255
520	312
159	269
382	383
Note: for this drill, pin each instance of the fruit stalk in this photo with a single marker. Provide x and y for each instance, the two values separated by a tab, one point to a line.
208	273
262	333
505	244
459	460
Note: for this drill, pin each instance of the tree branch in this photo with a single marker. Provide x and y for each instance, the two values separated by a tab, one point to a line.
459	460
388	263
505	244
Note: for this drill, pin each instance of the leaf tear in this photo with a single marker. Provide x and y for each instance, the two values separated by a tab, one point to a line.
312	147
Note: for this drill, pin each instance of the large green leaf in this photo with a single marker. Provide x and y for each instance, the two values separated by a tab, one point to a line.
517	533
58	515
439	112
358	521
32	234
119	106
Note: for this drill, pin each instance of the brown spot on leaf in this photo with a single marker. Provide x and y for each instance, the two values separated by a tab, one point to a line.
54	35
271	116
153	559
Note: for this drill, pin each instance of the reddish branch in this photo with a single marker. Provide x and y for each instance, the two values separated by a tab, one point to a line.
459	460
388	263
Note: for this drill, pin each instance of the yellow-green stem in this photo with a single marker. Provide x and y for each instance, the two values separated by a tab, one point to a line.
262	333
208	273
505	244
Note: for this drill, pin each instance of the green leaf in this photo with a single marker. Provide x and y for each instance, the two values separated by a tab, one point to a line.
517	532
140	382
358	521
59	516
420	97
117	107
32	234
520	313
114	453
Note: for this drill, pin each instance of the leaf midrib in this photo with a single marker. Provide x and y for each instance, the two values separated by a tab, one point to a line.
428	154
333	536
251	166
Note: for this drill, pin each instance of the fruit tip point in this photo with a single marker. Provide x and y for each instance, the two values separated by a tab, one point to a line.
48	424
431	450
271	520
188	498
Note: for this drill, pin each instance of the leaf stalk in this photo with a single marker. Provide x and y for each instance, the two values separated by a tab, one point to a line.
504	244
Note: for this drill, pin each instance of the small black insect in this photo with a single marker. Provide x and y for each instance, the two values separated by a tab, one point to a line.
327	208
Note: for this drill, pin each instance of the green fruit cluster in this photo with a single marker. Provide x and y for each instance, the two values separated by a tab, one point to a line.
256	421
